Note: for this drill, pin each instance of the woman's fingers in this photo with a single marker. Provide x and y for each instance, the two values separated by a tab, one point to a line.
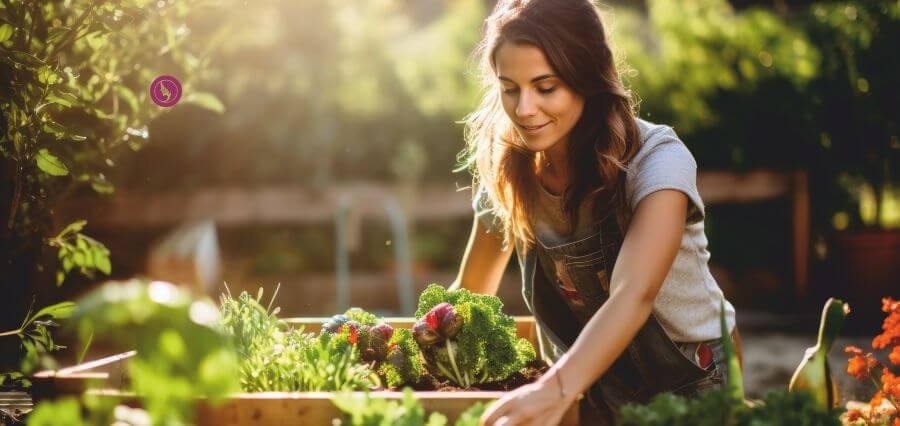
497	410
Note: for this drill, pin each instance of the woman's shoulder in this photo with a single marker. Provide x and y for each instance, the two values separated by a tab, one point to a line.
653	133
659	137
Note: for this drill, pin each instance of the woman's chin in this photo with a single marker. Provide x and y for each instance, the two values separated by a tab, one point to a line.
538	144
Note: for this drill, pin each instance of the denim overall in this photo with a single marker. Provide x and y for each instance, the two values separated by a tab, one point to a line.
651	364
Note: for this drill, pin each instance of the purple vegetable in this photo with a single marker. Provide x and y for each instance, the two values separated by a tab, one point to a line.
424	334
439	324
383	331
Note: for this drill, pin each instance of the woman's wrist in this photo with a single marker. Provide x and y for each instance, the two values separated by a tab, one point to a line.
555	379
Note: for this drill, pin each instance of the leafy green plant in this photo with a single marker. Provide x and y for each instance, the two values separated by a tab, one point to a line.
36	340
182	352
73	79
718	407
364	410
466	338
77	250
364	330
403	364
277	358
802	405
62	412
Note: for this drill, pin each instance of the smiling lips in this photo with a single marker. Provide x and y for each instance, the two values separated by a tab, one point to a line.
533	129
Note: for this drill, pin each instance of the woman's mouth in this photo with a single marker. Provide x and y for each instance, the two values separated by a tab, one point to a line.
533	129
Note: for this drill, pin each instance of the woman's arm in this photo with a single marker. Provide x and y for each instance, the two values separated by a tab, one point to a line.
647	254
483	261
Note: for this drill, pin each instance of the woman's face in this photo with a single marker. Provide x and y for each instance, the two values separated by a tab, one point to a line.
543	109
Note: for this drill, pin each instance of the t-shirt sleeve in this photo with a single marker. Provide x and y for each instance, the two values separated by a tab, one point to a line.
665	163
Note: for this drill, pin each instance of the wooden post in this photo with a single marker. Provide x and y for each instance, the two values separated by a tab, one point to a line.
800	200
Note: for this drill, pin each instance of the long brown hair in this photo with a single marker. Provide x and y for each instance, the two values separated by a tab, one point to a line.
602	142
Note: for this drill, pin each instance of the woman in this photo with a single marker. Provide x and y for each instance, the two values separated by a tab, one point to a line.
604	214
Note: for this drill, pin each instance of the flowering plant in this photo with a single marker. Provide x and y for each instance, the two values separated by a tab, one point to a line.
884	406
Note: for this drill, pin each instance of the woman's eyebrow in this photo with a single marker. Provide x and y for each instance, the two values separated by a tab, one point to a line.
533	80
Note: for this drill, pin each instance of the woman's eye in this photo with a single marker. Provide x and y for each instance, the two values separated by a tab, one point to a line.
547	90
510	91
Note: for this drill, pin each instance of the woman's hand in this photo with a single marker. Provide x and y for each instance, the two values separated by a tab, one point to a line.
539	403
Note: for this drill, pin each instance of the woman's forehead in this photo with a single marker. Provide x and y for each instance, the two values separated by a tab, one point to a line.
521	63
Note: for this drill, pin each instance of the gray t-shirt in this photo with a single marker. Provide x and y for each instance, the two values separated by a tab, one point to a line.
687	305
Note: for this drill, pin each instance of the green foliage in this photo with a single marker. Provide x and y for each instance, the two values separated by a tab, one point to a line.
685	53
366	411
735	380
363	410
472	415
73	78
403	364
181	350
383	62
856	109
485	349
79	252
807	403
718	407
36	340
276	358
250	324
63	412
361	316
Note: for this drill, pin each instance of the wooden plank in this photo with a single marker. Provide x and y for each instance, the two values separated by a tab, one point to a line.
718	186
267	205
315	408
273	205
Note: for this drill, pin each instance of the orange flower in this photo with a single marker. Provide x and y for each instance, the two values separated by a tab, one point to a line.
890	305
858	367
853	415
876	400
894	356
891	335
890	384
871	362
853	350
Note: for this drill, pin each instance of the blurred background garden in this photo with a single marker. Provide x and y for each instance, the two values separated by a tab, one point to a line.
315	143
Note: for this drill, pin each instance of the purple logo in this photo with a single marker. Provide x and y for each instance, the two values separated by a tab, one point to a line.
165	90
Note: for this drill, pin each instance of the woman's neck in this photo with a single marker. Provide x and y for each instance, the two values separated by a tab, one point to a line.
553	169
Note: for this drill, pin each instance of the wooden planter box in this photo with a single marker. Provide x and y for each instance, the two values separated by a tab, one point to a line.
108	375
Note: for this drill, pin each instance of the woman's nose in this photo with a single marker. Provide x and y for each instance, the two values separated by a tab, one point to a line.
526	106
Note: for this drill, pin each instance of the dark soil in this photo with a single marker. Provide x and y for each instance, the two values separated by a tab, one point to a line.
529	374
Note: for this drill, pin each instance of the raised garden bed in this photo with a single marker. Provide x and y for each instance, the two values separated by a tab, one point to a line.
108	376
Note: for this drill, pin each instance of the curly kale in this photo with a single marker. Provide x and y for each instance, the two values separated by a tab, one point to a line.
392	353
466	338
361	316
403	364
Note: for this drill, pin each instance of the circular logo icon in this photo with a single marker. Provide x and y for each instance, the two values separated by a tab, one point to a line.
165	91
